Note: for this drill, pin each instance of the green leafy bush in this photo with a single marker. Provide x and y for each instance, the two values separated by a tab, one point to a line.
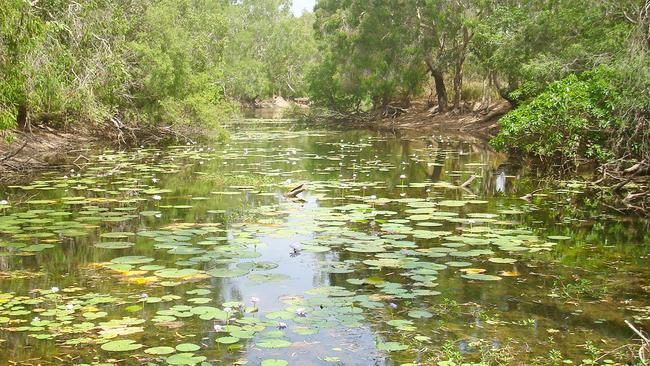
573	118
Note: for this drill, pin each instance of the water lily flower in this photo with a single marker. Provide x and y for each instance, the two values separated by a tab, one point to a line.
227	310
282	325
218	328
156	197
54	289
295	247
373	197
301	312
255	300
392	305
36	319
403	176
4	202
144	296
155	180
69	307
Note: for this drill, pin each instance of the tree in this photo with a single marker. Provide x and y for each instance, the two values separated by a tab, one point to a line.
376	52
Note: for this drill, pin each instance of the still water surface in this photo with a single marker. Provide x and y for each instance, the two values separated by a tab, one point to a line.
193	255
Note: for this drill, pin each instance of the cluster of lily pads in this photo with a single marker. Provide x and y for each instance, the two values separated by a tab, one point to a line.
388	243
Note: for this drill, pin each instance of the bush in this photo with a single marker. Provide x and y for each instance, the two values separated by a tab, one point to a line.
573	118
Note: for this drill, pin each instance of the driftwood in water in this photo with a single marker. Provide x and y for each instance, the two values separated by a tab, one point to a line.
295	191
529	196
468	182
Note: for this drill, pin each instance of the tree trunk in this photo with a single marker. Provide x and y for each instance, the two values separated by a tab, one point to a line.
458	67
458	83
503	93
441	91
21	118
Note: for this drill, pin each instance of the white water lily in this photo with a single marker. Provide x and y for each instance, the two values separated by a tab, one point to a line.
4	202
156	197
69	307
295	247
54	289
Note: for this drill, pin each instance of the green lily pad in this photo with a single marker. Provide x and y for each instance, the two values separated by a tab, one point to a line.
273	343
274	362
187	347
121	346
163	350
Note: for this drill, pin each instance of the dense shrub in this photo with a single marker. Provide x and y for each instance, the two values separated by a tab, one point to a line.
572	118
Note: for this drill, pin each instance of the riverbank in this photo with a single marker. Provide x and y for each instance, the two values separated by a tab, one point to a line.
31	151
26	151
423	118
419	116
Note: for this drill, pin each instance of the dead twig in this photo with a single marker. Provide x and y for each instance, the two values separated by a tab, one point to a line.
11	155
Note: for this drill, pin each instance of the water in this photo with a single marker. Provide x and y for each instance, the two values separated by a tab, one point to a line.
384	260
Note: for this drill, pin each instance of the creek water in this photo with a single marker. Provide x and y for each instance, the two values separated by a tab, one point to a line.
191	255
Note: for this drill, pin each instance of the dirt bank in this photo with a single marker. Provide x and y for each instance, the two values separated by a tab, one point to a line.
29	152
419	116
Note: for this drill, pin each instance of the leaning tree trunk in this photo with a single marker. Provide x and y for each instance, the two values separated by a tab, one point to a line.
504	93
441	91
438	78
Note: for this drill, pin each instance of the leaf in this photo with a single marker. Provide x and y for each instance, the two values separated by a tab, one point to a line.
273	343
121	346
274	362
163	350
392	346
187	347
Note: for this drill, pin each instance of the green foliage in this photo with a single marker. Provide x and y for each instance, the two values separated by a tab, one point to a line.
527	45
369	54
572	118
269	50
162	63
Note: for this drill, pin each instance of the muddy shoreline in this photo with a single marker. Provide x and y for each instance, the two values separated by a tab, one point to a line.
30	152
421	118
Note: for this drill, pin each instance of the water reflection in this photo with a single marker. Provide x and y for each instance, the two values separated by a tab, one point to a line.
239	188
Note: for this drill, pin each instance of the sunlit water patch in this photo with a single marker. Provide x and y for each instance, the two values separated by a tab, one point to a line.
394	255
